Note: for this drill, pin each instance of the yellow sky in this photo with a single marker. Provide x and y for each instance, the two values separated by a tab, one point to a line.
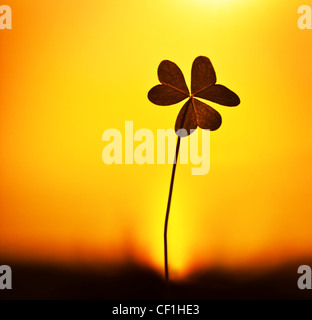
73	70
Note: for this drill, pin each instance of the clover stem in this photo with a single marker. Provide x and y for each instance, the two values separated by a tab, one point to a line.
168	208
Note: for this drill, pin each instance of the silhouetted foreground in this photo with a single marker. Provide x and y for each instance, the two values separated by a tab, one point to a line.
136	282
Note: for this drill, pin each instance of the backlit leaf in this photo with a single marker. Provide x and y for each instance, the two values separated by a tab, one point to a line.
203	74
164	96
171	75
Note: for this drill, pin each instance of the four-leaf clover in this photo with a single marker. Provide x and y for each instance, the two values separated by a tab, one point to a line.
173	89
194	113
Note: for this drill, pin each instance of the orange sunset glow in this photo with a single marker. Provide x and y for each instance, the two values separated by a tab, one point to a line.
72	70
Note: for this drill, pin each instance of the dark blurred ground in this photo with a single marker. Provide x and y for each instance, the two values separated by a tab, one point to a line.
35	281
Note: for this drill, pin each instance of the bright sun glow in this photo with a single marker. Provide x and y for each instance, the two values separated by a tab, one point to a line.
215	7
216	2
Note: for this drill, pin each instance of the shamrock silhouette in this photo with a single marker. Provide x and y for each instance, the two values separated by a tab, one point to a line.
194	113
173	89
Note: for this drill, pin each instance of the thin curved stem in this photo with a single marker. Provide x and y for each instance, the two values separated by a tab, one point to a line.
168	207
170	192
